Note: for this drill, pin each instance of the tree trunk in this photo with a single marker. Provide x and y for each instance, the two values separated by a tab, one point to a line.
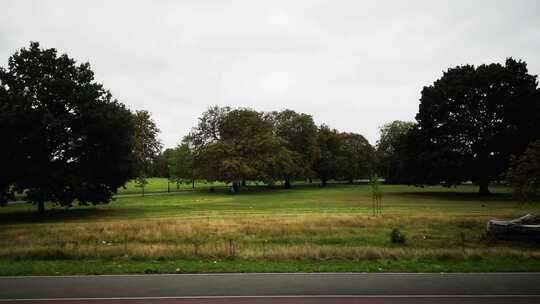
168	185
236	187
323	182
243	183
484	187
310	180
193	183
287	184
41	207
351	181
142	190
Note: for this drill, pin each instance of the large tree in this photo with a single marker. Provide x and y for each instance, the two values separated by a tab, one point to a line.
236	145
64	137
473	119
300	135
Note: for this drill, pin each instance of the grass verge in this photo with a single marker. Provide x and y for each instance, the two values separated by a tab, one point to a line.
101	267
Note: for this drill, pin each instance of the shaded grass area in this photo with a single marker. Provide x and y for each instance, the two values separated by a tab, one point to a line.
63	267
290	229
161	184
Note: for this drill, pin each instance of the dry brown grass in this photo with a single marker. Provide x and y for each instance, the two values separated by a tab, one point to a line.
314	237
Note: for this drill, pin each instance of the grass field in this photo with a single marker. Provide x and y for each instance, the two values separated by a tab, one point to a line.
303	229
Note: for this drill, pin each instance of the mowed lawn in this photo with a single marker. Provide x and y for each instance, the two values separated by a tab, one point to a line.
306	228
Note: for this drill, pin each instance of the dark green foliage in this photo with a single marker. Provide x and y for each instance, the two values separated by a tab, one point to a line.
524	173
64	137
327	163
390	158
356	157
146	145
181	163
471	121
396	237
160	165
236	145
299	133
342	156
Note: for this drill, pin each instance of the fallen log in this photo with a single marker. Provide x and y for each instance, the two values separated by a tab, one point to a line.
526	228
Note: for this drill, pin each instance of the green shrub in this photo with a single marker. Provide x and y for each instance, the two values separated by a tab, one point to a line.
396	237
524	173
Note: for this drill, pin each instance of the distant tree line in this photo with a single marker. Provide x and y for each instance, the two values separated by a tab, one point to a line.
239	145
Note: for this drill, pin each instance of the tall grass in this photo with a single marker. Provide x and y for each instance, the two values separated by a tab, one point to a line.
315	237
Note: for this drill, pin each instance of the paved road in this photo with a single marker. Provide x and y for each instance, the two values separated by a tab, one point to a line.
240	288
303	300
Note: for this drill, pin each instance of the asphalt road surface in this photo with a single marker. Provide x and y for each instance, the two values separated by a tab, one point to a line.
515	288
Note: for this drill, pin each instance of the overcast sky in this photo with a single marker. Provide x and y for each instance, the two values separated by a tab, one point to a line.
354	65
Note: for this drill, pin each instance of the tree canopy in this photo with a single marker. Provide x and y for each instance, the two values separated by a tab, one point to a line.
299	133
64	137
327	163
524	173
146	145
234	145
472	120
356	158
390	154
181	163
